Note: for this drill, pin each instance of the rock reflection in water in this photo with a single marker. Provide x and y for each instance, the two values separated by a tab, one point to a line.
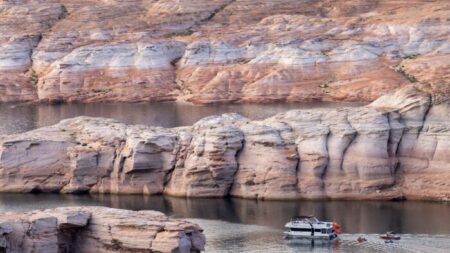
355	216
21	118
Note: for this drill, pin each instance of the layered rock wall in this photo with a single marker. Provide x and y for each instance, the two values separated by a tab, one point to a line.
395	147
97	229
223	50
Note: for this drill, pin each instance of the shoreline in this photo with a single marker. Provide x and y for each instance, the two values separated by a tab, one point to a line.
226	198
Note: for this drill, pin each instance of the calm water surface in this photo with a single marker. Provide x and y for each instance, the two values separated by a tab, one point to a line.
21	118
237	225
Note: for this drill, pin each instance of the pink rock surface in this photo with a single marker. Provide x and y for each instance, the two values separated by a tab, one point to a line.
207	51
394	147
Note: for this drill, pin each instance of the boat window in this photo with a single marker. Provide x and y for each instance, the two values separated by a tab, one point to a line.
324	231
317	230
301	229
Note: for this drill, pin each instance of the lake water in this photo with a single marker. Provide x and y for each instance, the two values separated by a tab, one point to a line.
20	118
238	225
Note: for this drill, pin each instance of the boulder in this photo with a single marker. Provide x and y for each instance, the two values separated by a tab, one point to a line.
97	229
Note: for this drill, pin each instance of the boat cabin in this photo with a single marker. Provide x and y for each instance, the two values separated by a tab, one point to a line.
309	227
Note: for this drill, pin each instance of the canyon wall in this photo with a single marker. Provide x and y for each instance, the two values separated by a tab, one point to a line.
220	50
395	147
97	229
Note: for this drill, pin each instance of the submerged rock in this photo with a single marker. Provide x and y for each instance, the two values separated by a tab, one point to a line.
97	229
395	147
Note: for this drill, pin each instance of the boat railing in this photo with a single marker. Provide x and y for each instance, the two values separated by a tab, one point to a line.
304	219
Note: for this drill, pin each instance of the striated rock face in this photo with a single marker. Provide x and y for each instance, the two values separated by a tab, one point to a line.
22	24
97	229
206	162
220	50
396	146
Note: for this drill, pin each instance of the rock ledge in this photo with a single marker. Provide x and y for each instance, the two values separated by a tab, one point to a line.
97	229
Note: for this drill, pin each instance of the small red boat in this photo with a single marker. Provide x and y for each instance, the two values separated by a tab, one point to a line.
389	236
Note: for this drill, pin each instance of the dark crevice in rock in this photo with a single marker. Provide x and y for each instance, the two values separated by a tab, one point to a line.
396	153
344	153
236	157
215	12
325	169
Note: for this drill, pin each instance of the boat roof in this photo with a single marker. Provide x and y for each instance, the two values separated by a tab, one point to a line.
303	217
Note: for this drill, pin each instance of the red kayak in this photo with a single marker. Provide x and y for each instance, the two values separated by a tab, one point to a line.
390	236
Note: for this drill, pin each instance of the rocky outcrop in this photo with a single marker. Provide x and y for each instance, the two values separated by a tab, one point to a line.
22	24
395	147
97	229
220	50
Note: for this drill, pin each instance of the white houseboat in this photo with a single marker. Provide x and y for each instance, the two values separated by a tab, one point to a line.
309	227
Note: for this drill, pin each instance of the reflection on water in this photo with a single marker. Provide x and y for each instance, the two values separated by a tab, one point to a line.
238	225
20	118
224	237
411	217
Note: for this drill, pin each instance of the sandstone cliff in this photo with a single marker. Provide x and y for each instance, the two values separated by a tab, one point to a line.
220	50
395	147
97	229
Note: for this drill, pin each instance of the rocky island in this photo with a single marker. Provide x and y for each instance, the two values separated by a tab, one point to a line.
396	147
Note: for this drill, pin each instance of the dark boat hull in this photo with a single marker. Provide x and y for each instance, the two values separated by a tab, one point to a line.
390	238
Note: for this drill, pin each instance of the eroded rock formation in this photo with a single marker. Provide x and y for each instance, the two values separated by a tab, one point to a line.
220	50
397	146
97	229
